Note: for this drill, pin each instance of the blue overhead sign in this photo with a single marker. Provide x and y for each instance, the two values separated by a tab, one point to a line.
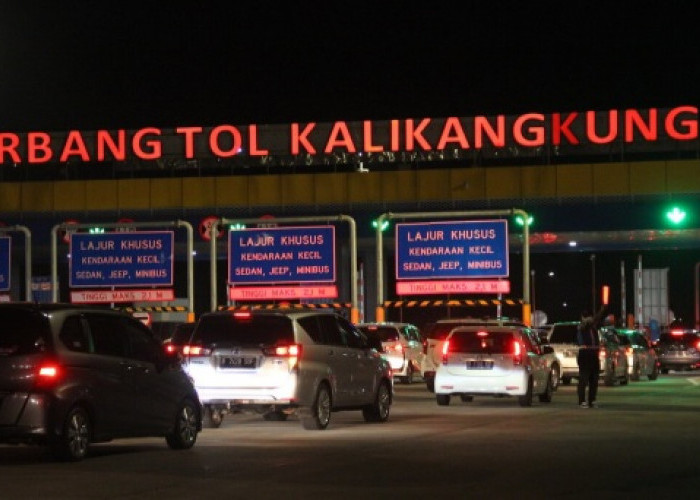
462	249
4	263
282	255
139	258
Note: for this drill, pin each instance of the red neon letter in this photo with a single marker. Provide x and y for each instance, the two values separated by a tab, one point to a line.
634	119
75	145
155	147
253	142
416	133
394	135
8	144
536	132
189	132
559	128
367	133
118	150
452	126
39	142
690	125
214	141
300	138
591	132
481	125
340	129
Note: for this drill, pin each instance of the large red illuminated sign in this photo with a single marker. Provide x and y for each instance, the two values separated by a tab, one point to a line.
530	130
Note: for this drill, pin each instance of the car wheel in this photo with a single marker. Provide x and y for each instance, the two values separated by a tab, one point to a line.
636	372
466	399
275	416
625	379
609	377
526	399
72	445
185	430
213	416
654	373
443	399
319	415
554	377
408	379
430	383
379	410
546	396
566	380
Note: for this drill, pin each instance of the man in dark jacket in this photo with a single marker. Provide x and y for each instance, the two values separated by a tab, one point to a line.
588	357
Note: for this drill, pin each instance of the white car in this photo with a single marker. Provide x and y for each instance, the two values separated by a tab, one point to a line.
402	345
493	361
277	363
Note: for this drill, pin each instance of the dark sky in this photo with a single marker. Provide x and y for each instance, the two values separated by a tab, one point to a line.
85	64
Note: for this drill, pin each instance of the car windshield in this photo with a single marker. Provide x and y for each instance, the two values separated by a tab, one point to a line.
482	341
385	333
243	330
22	332
564	334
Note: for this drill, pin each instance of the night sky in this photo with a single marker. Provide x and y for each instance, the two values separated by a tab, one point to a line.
86	65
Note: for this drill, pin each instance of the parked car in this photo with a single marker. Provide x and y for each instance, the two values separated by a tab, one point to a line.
281	362
436	335
678	350
71	376
402	345
613	359
642	360
494	361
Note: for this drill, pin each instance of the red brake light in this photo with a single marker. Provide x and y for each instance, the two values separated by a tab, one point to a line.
242	315
445	350
517	353
292	350
697	345
482	334
170	348
398	347
48	373
676	333
629	350
195	350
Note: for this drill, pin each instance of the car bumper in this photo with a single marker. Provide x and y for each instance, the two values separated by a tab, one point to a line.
512	384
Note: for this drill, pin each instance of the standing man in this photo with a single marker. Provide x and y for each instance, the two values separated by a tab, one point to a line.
588	357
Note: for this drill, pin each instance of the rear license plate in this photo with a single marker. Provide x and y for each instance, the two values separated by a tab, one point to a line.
479	365
238	362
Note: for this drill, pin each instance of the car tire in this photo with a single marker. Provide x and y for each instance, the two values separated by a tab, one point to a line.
213	417
442	399
379	410
430	383
654	373
554	378
636	372
625	379
318	416
566	380
546	396
74	441
185	430
526	399
466	399
609	376
408	379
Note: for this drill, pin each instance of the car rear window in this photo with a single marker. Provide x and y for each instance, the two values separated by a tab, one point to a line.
23	332
182	333
439	331
482	341
243	330
385	334
564	334
689	339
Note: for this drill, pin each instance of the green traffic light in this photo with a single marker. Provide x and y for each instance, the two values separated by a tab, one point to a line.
676	215
385	225
521	222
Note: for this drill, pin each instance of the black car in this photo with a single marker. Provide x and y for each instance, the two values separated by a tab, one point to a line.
71	376
678	349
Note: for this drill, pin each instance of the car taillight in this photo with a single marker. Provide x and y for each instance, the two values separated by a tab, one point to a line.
629	351
170	348
517	353
603	353
292	352
697	345
48	373
676	333
445	350
398	347
425	347
195	350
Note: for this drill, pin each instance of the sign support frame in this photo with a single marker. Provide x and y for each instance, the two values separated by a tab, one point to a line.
115	225
387	216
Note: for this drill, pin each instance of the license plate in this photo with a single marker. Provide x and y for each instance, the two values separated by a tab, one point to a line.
238	362
479	365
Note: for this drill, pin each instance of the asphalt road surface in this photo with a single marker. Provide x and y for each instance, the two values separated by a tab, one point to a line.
642	443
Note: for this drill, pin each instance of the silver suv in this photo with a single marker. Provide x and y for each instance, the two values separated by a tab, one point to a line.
280	362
